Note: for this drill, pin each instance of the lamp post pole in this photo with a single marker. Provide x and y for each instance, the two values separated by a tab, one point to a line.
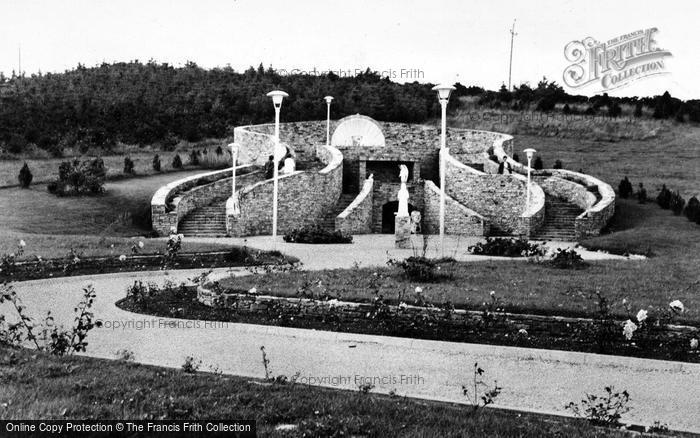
234	159
529	152
277	97
328	120
444	97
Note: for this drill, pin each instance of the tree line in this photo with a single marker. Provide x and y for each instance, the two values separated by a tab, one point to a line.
138	103
157	103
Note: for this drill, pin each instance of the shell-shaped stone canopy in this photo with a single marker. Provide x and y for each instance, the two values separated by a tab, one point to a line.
358	130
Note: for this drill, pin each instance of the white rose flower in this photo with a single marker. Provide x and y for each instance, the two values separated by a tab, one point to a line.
22	243
419	290
522	332
642	315
122	258
403	306
677	306
492	293
141	244
624	301
253	290
694	344
173	230
628	329
180	236
332	303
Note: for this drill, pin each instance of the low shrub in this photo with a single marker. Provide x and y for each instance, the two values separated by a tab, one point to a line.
624	189
664	198
538	164
692	210
128	166
558	164
416	268
194	157
566	259
604	410
676	203
25	176
316	235
507	248
177	162
78	178
156	163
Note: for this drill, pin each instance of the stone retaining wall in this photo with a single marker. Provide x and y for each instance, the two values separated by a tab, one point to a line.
499	198
303	199
173	201
458	218
568	190
590	222
596	216
357	217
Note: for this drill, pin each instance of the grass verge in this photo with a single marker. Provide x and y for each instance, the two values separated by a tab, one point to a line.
39	386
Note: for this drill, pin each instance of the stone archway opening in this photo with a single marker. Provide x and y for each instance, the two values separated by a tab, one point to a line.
389	215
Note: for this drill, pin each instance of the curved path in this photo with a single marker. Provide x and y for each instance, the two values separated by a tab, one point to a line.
537	380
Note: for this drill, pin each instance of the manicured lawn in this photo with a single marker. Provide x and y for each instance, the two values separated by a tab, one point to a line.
94	225
39	386
530	287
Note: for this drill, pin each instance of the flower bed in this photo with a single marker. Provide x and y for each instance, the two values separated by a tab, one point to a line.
77	265
489	325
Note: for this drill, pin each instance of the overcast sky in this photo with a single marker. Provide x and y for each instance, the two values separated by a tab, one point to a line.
453	40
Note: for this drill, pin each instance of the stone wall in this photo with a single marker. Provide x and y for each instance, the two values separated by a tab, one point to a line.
357	217
499	198
303	199
590	222
458	218
596	216
568	190
173	201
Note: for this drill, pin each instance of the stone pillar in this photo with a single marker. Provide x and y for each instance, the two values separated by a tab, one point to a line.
362	172
402	232
416	171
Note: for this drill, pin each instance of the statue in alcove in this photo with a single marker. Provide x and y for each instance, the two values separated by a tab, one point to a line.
403	192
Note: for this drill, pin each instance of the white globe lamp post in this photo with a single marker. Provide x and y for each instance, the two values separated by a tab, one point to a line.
529	152
443	92
235	208
278	153
328	120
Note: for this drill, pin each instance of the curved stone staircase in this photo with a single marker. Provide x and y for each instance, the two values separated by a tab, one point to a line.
559	220
207	221
328	221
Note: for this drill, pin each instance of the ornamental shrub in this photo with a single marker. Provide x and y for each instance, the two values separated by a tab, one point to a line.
677	203
128	166
501	247
316	235
177	162
156	163
692	210
625	188
664	198
79	178
25	176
